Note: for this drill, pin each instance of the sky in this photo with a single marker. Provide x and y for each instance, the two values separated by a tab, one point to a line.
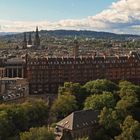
118	16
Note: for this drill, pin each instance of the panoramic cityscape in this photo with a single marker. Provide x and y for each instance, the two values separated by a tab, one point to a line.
69	70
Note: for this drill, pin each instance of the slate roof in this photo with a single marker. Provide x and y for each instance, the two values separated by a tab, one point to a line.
79	119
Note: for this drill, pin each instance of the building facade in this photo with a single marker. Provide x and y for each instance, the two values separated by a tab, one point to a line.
13	88
15	67
45	75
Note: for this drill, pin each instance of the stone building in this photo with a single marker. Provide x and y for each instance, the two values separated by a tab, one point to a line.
13	88
15	67
79	124
45	75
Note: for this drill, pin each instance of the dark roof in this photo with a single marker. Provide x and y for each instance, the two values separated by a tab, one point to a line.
79	119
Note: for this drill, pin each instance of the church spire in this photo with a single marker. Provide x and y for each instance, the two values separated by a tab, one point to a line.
37	39
24	41
76	47
30	39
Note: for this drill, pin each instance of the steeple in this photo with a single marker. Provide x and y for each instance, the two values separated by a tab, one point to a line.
24	42
76	47
37	39
30	39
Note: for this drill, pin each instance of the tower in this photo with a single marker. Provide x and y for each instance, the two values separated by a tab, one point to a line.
30	39
37	39
24	42
76	47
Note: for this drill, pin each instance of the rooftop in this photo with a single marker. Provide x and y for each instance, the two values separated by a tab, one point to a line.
79	119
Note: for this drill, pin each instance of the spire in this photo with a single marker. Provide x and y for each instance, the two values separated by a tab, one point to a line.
36	29
24	41
30	39
25	37
37	39
76	47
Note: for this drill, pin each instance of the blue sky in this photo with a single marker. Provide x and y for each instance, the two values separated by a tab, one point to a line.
118	16
52	10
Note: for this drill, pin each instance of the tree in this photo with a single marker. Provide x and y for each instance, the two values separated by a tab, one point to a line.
62	106
41	133
100	85
127	102
5	127
130	130
70	87
37	112
98	102
130	98
75	89
111	119
16	115
127	88
129	94
16	118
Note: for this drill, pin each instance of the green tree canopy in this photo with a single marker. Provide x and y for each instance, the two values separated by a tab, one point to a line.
100	85
37	112
130	130
20	117
127	88
75	89
129	94
5	127
127	102
63	105
110	118
98	102
41	133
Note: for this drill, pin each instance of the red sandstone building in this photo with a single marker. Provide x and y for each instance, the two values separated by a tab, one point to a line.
47	74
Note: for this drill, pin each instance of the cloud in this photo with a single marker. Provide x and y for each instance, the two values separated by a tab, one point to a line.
123	16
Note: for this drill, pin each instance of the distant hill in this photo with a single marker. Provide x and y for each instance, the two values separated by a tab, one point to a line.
54	37
93	34
72	33
7	33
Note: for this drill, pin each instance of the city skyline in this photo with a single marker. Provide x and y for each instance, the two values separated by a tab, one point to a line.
118	16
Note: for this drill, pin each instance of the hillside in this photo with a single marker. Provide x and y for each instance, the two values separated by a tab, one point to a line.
92	34
61	37
81	33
